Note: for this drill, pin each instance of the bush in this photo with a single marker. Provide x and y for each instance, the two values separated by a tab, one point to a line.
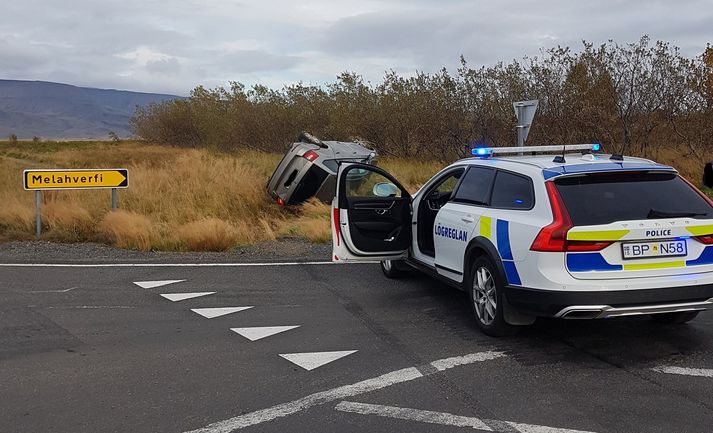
634	98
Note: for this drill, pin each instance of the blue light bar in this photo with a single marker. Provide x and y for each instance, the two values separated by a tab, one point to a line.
485	152
481	151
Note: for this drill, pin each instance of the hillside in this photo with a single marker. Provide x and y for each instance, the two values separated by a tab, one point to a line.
61	111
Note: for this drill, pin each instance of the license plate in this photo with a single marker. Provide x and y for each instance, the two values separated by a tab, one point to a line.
665	248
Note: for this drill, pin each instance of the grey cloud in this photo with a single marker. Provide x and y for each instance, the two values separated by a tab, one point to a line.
158	45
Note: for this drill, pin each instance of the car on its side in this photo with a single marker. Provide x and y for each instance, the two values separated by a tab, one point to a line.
309	169
574	236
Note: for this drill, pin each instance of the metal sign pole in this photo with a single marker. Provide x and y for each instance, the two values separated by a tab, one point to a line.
114	199
38	213
520	127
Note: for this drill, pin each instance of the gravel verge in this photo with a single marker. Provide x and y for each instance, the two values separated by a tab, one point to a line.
297	250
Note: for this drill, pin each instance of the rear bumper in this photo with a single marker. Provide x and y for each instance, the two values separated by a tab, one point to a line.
603	304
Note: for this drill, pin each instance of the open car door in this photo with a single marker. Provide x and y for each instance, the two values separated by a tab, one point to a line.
371	215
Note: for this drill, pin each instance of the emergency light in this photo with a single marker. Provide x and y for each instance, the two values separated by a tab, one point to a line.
485	152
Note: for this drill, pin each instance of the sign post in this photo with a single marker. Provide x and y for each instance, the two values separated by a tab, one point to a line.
525	112
39	180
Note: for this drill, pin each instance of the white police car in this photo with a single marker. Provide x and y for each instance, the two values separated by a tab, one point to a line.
577	236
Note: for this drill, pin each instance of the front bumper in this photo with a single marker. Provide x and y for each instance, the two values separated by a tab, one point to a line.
614	303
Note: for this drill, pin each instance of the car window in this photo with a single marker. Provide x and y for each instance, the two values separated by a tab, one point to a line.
362	183
448	184
475	186
512	191
606	198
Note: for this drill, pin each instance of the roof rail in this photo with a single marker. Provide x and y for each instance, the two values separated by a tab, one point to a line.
558	148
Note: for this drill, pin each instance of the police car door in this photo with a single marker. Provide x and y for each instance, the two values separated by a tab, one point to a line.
371	215
457	220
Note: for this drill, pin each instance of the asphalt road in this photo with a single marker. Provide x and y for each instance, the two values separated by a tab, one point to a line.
85	349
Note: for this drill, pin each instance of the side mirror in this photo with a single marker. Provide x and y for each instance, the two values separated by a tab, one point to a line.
385	189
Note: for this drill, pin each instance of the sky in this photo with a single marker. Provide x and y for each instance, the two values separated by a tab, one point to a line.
173	46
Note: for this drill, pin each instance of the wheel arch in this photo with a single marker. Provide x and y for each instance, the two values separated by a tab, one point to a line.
480	246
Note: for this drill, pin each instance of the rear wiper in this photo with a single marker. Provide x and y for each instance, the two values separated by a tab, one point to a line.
653	213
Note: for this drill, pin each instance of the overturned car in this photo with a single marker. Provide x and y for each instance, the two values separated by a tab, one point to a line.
309	169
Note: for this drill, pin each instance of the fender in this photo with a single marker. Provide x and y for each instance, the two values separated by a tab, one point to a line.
512	316
481	242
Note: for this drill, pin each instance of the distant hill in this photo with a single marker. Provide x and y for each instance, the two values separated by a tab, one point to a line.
53	110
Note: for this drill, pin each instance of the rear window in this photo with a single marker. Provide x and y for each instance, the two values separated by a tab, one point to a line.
475	186
309	185
606	198
512	191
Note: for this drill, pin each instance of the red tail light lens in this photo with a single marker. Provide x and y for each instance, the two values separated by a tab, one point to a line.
280	201
310	156
586	245
553	237
707	239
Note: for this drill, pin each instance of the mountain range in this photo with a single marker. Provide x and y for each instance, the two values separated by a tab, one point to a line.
60	111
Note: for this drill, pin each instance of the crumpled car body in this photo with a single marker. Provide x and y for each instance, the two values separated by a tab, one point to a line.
309	169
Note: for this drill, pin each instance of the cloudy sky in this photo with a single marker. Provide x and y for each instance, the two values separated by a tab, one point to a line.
172	46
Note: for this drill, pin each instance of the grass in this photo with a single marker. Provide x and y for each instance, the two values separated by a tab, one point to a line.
180	199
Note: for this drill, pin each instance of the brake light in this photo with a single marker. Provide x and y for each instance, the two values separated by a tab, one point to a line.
310	156
707	239
280	201
553	237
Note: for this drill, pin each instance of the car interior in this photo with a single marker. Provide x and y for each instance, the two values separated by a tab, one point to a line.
379	209
434	198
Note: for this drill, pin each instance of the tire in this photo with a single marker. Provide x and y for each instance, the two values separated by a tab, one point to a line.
485	290
393	268
674	318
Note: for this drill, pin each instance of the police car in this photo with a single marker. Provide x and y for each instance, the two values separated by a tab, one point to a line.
579	235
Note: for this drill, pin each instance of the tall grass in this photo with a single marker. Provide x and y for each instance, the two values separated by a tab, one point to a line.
180	199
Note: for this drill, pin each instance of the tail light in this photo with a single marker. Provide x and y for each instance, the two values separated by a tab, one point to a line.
280	201
553	237
310	156
707	239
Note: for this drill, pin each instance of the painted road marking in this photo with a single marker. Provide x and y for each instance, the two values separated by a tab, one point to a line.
152	284
444	418
53	291
259	332
167	265
210	313
339	393
311	360
701	372
183	296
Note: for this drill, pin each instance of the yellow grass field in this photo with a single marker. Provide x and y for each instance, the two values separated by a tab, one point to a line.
178	199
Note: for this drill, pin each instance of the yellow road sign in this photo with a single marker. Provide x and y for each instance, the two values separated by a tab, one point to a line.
76	179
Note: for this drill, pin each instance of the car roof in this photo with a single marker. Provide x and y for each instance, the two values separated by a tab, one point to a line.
574	163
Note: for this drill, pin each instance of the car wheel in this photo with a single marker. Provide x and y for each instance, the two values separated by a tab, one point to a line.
675	318
485	289
393	268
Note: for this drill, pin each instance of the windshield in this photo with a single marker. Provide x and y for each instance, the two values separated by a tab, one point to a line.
605	198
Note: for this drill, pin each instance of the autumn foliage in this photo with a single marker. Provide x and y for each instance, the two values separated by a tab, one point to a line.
634	98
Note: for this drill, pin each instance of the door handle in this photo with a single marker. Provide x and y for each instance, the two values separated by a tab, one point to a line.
468	219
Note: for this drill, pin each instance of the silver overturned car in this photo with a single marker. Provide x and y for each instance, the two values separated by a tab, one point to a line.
309	169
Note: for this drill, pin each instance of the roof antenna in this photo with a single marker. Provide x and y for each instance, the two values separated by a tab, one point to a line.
560	158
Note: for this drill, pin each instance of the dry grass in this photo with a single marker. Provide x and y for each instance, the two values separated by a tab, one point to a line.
178	199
